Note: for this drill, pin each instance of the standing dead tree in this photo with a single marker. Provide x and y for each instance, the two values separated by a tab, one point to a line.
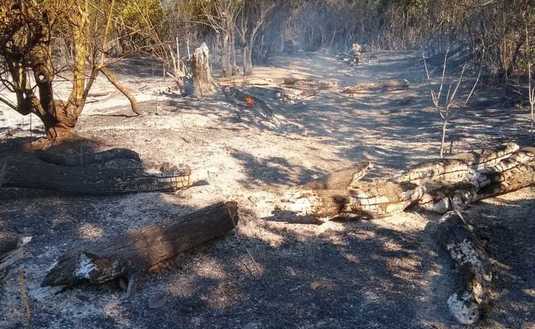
157	42
445	104
252	18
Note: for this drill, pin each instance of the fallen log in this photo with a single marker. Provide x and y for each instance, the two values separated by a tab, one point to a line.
142	250
474	282
508	175
437	185
326	196
83	167
308	83
457	168
314	203
378	86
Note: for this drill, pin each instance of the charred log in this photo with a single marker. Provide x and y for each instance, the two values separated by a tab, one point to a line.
473	265
437	185
144	249
340	179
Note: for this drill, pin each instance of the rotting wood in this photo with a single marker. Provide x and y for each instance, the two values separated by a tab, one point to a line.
144	249
474	280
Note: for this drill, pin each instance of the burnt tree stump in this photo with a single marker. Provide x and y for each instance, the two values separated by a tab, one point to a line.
203	82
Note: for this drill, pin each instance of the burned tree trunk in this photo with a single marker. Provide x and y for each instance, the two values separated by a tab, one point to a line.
226	55
247	60
340	179
203	83
28	50
143	249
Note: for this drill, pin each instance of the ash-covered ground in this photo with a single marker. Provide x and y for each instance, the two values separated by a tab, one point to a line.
271	273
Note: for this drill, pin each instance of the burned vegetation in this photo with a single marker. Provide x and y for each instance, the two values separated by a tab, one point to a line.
267	164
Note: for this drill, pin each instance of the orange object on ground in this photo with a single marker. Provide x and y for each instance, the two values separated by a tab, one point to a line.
249	100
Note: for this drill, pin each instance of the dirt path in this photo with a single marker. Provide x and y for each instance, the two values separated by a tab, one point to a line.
273	274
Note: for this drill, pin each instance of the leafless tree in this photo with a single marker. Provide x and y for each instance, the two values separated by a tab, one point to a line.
253	16
445	104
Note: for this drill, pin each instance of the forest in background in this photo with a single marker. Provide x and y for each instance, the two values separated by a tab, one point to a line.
493	32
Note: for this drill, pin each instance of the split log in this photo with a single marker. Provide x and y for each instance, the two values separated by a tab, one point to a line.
473	265
324	197
508	175
144	249
437	185
379	86
203	82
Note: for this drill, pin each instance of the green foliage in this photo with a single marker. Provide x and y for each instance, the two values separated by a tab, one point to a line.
137	14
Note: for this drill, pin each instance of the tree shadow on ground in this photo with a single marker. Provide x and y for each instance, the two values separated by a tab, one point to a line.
272	170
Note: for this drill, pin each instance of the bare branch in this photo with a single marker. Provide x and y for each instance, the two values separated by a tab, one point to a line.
443	73
457	86
473	88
